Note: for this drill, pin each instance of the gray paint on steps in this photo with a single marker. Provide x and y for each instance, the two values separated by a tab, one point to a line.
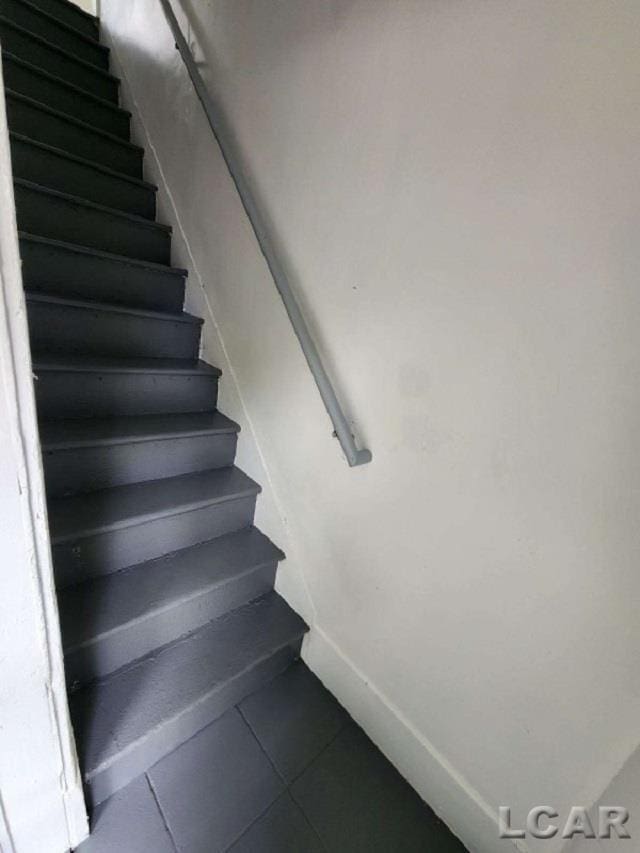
62	64
68	270
113	620
40	23
35	120
36	83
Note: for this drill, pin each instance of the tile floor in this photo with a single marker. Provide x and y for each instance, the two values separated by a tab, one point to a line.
286	771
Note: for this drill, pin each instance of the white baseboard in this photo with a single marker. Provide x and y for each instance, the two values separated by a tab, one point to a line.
448	793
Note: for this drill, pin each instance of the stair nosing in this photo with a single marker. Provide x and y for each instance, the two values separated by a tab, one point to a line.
178	601
113	308
140	221
251	489
38	11
42	72
92	164
100	253
95	68
229	428
38	105
42	365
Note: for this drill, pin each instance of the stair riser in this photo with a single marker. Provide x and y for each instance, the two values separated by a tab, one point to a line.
69	176
21	79
28	120
165	739
134	640
22	16
66	14
69	330
58	64
108	552
59	271
61	394
87	469
62	219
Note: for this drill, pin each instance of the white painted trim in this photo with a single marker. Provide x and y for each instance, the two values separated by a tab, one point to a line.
433	776
16	377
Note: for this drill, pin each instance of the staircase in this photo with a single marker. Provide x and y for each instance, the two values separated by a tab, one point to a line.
165	588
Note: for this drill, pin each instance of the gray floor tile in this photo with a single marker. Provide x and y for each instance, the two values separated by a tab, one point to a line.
294	718
214	786
283	829
358	803
129	821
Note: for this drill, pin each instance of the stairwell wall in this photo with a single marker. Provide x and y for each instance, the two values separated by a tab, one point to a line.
454	189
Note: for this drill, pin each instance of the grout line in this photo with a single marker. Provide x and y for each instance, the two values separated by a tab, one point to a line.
162	814
287	789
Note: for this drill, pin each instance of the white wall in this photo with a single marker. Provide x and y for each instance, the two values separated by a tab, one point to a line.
41	801
455	189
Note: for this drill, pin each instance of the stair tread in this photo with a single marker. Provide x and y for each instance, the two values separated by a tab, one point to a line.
126	506
95	608
54	47
113	308
83	125
56	22
100	253
93	18
94	364
91	432
114	714
83	202
68	155
60	81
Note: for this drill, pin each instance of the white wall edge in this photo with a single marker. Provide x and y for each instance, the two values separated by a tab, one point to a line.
437	781
17	378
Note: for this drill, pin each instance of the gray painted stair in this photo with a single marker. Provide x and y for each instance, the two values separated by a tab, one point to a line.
110	621
35	83
56	169
69	13
137	715
165	587
91	454
43	124
81	387
68	270
61	216
40	23
108	530
73	327
58	62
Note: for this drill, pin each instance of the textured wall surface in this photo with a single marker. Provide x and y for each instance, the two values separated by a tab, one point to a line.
455	188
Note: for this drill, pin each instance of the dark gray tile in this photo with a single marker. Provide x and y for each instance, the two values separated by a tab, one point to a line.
294	719
282	829
129	821
358	802
214	786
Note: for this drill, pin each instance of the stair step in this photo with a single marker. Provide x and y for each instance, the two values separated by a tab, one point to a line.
71	14
61	63
24	14
58	94
56	169
89	387
111	621
105	531
60	216
42	124
69	270
75	327
86	455
133	718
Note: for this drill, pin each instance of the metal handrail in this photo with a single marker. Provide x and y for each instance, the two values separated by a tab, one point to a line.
340	423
